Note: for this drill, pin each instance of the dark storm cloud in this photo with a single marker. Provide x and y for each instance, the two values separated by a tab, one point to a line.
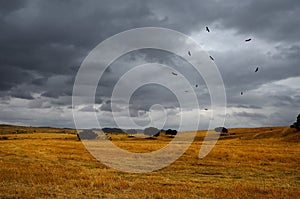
11	76
42	44
21	93
39	81
10	6
275	20
147	96
59	85
271	20
52	37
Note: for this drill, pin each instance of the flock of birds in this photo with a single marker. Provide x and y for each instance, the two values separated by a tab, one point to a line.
190	54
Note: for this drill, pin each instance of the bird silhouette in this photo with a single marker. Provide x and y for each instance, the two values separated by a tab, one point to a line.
242	93
206	109
196	85
174	73
256	69
189	53
247	40
207	29
211	58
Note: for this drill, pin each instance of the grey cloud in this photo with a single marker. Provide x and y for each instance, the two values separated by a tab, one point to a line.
271	20
254	116
43	43
45	38
22	94
58	85
88	109
11	76
39	81
51	94
10	6
39	103
107	107
245	106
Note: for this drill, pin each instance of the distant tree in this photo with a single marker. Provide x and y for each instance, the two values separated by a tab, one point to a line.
296	125
221	130
171	132
151	131
157	134
131	132
113	130
87	135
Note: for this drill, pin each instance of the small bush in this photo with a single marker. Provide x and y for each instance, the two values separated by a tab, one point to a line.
296	125
4	138
222	130
171	132
151	131
87	135
131	132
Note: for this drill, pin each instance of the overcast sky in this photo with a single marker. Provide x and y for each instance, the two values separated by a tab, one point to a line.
43	43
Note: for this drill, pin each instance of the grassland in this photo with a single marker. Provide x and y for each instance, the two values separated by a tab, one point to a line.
51	163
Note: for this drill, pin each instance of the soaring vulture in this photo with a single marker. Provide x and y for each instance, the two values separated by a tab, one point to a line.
211	58
189	53
256	69
247	40
207	29
174	73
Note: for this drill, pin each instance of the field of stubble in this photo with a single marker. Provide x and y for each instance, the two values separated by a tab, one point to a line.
51	163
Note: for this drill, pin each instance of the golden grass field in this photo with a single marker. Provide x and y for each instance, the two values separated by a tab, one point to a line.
51	163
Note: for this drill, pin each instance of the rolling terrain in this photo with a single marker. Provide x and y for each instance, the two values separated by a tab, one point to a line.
52	163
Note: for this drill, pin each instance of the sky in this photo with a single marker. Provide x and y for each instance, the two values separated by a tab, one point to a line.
44	43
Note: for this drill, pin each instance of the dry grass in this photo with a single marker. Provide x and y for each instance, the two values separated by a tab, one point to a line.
49	163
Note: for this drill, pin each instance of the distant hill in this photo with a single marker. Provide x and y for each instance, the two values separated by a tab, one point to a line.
11	129
283	133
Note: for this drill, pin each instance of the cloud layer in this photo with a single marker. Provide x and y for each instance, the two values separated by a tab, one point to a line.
43	44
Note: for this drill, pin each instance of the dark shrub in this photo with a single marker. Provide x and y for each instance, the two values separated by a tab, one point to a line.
87	135
151	131
4	138
131	132
113	130
296	124
171	132
221	130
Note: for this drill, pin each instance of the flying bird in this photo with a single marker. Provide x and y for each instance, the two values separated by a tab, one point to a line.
186	91
189	53
256	69
211	58
174	73
207	29
196	85
247	40
206	109
242	93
